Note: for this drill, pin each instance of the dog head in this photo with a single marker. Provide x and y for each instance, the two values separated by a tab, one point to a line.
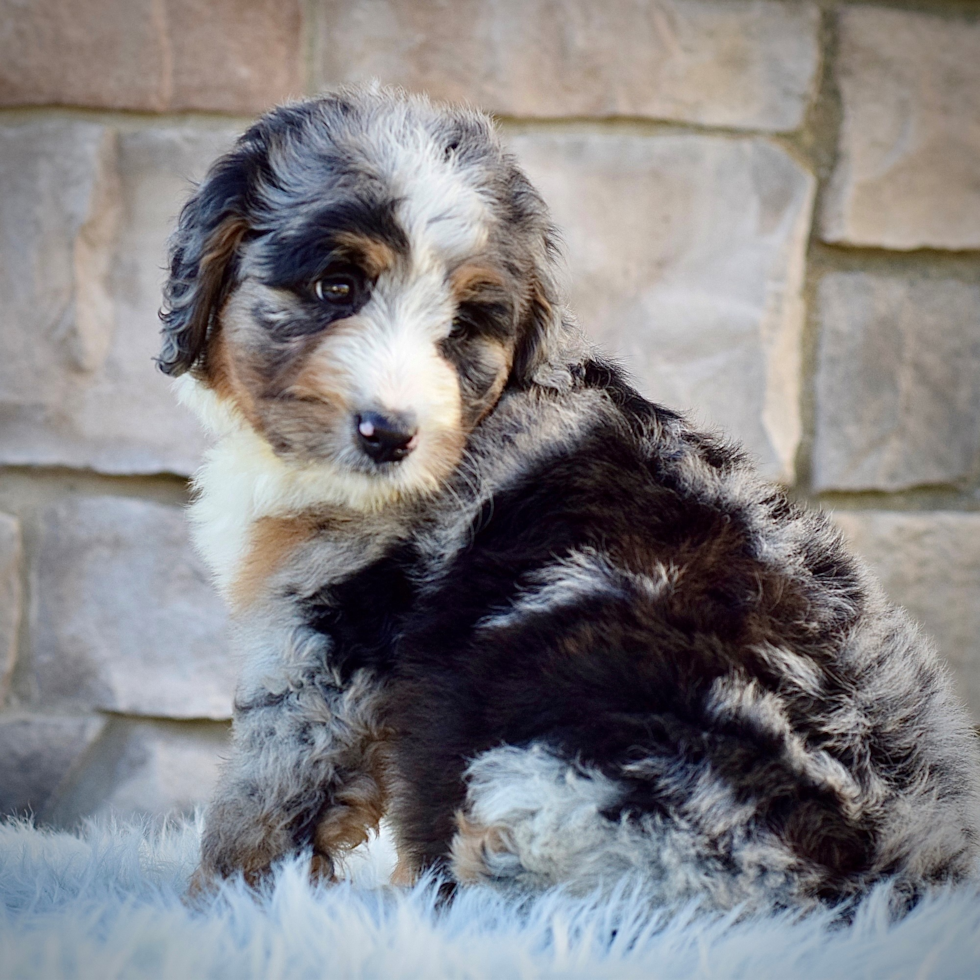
358	280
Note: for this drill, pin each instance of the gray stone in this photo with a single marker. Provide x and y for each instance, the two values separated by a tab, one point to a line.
686	256
897	383
141	54
10	597
930	563
123	616
37	754
908	169
85	216
143	768
716	62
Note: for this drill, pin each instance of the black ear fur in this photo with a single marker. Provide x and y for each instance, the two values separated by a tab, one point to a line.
541	323
537	326
542	326
203	254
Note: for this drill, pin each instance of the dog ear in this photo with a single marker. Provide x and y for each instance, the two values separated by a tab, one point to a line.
543	328
203	256
536	327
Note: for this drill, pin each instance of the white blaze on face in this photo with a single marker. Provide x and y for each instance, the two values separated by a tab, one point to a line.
393	359
442	212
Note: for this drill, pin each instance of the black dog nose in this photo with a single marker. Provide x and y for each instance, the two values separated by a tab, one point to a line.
385	438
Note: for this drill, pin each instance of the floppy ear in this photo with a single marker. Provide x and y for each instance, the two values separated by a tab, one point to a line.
540	323
543	329
204	255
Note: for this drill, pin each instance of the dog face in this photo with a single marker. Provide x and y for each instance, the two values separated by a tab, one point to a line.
358	280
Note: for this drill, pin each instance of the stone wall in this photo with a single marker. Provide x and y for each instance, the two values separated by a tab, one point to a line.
772	211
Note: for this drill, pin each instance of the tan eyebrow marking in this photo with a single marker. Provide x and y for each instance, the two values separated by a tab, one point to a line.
373	255
470	282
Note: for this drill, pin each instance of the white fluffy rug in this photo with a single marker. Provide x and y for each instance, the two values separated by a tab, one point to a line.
106	903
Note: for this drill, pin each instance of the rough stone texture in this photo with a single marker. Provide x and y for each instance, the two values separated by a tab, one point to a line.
37	754
908	171
227	55
58	218
686	260
123	616
10	597
716	62
84	216
930	563
898	382
142	768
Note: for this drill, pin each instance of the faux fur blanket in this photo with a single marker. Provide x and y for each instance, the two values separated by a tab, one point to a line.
105	903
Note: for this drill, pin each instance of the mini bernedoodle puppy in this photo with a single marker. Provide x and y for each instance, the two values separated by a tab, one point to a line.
482	588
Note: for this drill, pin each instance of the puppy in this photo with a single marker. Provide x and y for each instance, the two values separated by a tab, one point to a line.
481	587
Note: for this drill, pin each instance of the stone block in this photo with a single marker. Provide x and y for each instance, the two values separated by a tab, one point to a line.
897	382
10	597
930	564
58	218
37	755
686	257
908	170
227	55
741	63
124	618
84	217
142	768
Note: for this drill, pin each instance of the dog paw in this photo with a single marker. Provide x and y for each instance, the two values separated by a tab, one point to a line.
405	874
482	853
323	871
201	888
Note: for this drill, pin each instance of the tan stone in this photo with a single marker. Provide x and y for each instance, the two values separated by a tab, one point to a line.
10	597
124	618
37	755
716	62
58	215
930	563
84	217
897	383
227	55
686	258
908	171
143	768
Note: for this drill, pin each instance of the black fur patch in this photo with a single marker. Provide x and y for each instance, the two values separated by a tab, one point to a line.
595	582
621	679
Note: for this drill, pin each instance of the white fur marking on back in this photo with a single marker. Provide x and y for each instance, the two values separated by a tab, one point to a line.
581	575
552	817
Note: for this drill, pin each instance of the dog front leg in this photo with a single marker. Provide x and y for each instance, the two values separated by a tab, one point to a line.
306	768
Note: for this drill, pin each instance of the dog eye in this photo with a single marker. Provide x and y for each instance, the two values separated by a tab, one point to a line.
467	320
334	289
475	319
465	324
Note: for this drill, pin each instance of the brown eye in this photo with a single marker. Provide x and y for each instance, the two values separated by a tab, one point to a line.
334	289
466	321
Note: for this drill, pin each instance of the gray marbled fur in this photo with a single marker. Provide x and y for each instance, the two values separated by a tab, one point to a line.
567	637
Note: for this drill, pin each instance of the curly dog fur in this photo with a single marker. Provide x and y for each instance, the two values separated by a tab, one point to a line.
483	588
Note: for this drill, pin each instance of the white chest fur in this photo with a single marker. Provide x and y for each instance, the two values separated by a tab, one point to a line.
243	480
